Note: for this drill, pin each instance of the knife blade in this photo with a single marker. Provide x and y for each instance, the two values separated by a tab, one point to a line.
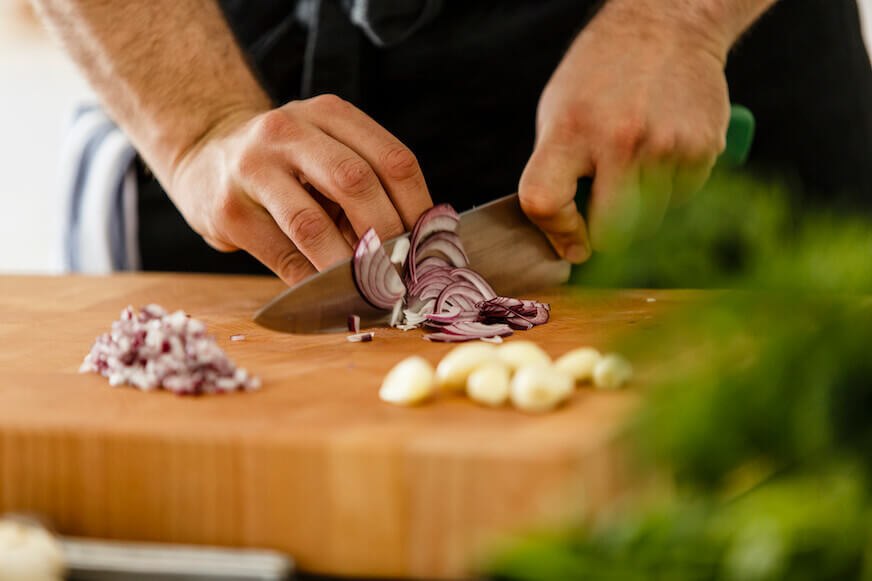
502	245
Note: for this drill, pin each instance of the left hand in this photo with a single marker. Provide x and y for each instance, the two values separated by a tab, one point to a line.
640	104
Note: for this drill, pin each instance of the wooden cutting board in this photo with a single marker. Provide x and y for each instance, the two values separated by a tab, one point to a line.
313	463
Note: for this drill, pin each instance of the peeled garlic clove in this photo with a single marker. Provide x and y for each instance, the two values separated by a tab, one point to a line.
454	369
539	388
29	552
409	382
517	354
579	363
489	384
612	372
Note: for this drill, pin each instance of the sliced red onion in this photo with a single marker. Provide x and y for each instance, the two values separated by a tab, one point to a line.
460	293
354	323
439	291
447	315
459	332
361	337
476	279
520	323
373	273
397	313
442	244
237	337
400	251
477	330
441	218
429	263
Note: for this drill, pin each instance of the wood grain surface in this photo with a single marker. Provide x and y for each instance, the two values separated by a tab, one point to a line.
313	463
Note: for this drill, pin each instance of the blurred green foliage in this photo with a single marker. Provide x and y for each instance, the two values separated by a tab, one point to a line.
760	407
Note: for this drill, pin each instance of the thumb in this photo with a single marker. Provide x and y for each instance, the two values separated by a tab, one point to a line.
547	194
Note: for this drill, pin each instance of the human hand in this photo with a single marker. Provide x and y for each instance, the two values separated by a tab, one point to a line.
640	104
248	184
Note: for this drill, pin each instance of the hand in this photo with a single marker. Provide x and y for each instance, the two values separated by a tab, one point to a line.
253	183
640	104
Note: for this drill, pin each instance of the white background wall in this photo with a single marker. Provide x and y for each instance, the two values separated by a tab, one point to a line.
38	88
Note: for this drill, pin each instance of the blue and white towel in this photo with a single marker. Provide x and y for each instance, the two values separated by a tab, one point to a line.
99	197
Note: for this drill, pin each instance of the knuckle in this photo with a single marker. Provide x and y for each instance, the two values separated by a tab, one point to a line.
291	265
399	162
538	202
662	145
628	136
353	175
329	103
276	125
248	163
307	227
230	210
700	148
569	126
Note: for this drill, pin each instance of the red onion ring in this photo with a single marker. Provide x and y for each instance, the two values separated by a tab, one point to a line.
374	275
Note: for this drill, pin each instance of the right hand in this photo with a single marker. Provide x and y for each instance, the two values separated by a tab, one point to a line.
247	184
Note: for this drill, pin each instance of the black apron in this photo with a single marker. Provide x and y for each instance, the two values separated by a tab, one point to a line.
458	82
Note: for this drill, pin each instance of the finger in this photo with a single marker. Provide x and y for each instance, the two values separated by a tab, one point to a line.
299	216
690	179
615	205
394	164
347	179
258	234
655	190
547	194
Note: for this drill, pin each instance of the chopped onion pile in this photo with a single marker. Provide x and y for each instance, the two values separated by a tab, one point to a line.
435	288
153	349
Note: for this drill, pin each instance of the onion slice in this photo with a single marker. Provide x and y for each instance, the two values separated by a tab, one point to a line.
373	273
354	323
361	337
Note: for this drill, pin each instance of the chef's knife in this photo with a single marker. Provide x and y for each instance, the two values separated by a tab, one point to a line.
502	245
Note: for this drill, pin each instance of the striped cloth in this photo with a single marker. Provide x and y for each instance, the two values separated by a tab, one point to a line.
97	179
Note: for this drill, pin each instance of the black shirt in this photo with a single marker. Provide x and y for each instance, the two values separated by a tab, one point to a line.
462	90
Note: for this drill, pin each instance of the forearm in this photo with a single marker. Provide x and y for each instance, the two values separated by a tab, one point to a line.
168	71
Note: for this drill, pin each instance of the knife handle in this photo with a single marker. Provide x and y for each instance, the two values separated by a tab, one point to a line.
740	136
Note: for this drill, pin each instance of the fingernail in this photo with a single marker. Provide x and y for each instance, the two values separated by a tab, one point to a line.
576	253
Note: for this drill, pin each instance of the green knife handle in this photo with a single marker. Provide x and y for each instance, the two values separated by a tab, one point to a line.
740	136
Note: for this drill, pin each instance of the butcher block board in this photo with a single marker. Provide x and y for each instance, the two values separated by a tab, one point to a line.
313	463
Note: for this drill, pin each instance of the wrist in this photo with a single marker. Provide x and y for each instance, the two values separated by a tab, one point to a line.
219	123
708	25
